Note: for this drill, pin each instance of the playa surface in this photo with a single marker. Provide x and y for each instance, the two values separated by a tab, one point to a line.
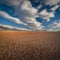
24	45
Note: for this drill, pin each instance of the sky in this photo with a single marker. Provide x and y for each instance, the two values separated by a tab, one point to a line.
30	15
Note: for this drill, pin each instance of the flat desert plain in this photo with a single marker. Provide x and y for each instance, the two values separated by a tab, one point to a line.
25	45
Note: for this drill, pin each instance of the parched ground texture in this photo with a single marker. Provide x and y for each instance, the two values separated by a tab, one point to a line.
29	45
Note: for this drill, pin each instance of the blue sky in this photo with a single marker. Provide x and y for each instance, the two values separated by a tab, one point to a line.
37	15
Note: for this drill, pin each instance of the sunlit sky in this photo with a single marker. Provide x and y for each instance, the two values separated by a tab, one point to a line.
30	15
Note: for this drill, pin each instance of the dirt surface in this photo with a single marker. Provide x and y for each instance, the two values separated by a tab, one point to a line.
29	45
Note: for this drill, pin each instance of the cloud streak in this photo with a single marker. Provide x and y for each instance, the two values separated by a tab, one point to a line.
46	15
27	14
47	2
8	17
55	26
8	27
52	2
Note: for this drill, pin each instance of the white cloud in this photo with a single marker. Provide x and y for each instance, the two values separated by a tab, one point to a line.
11	27
51	2
8	17
39	6
11	2
27	14
47	2
27	7
55	7
55	26
32	23
16	2
44	14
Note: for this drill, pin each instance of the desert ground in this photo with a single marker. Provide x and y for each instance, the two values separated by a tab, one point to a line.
24	45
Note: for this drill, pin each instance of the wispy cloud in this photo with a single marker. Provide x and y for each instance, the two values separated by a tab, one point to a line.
44	14
28	15
55	7
2	26
8	17
55	26
50	2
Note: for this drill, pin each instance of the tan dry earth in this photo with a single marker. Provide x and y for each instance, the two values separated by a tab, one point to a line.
29	45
